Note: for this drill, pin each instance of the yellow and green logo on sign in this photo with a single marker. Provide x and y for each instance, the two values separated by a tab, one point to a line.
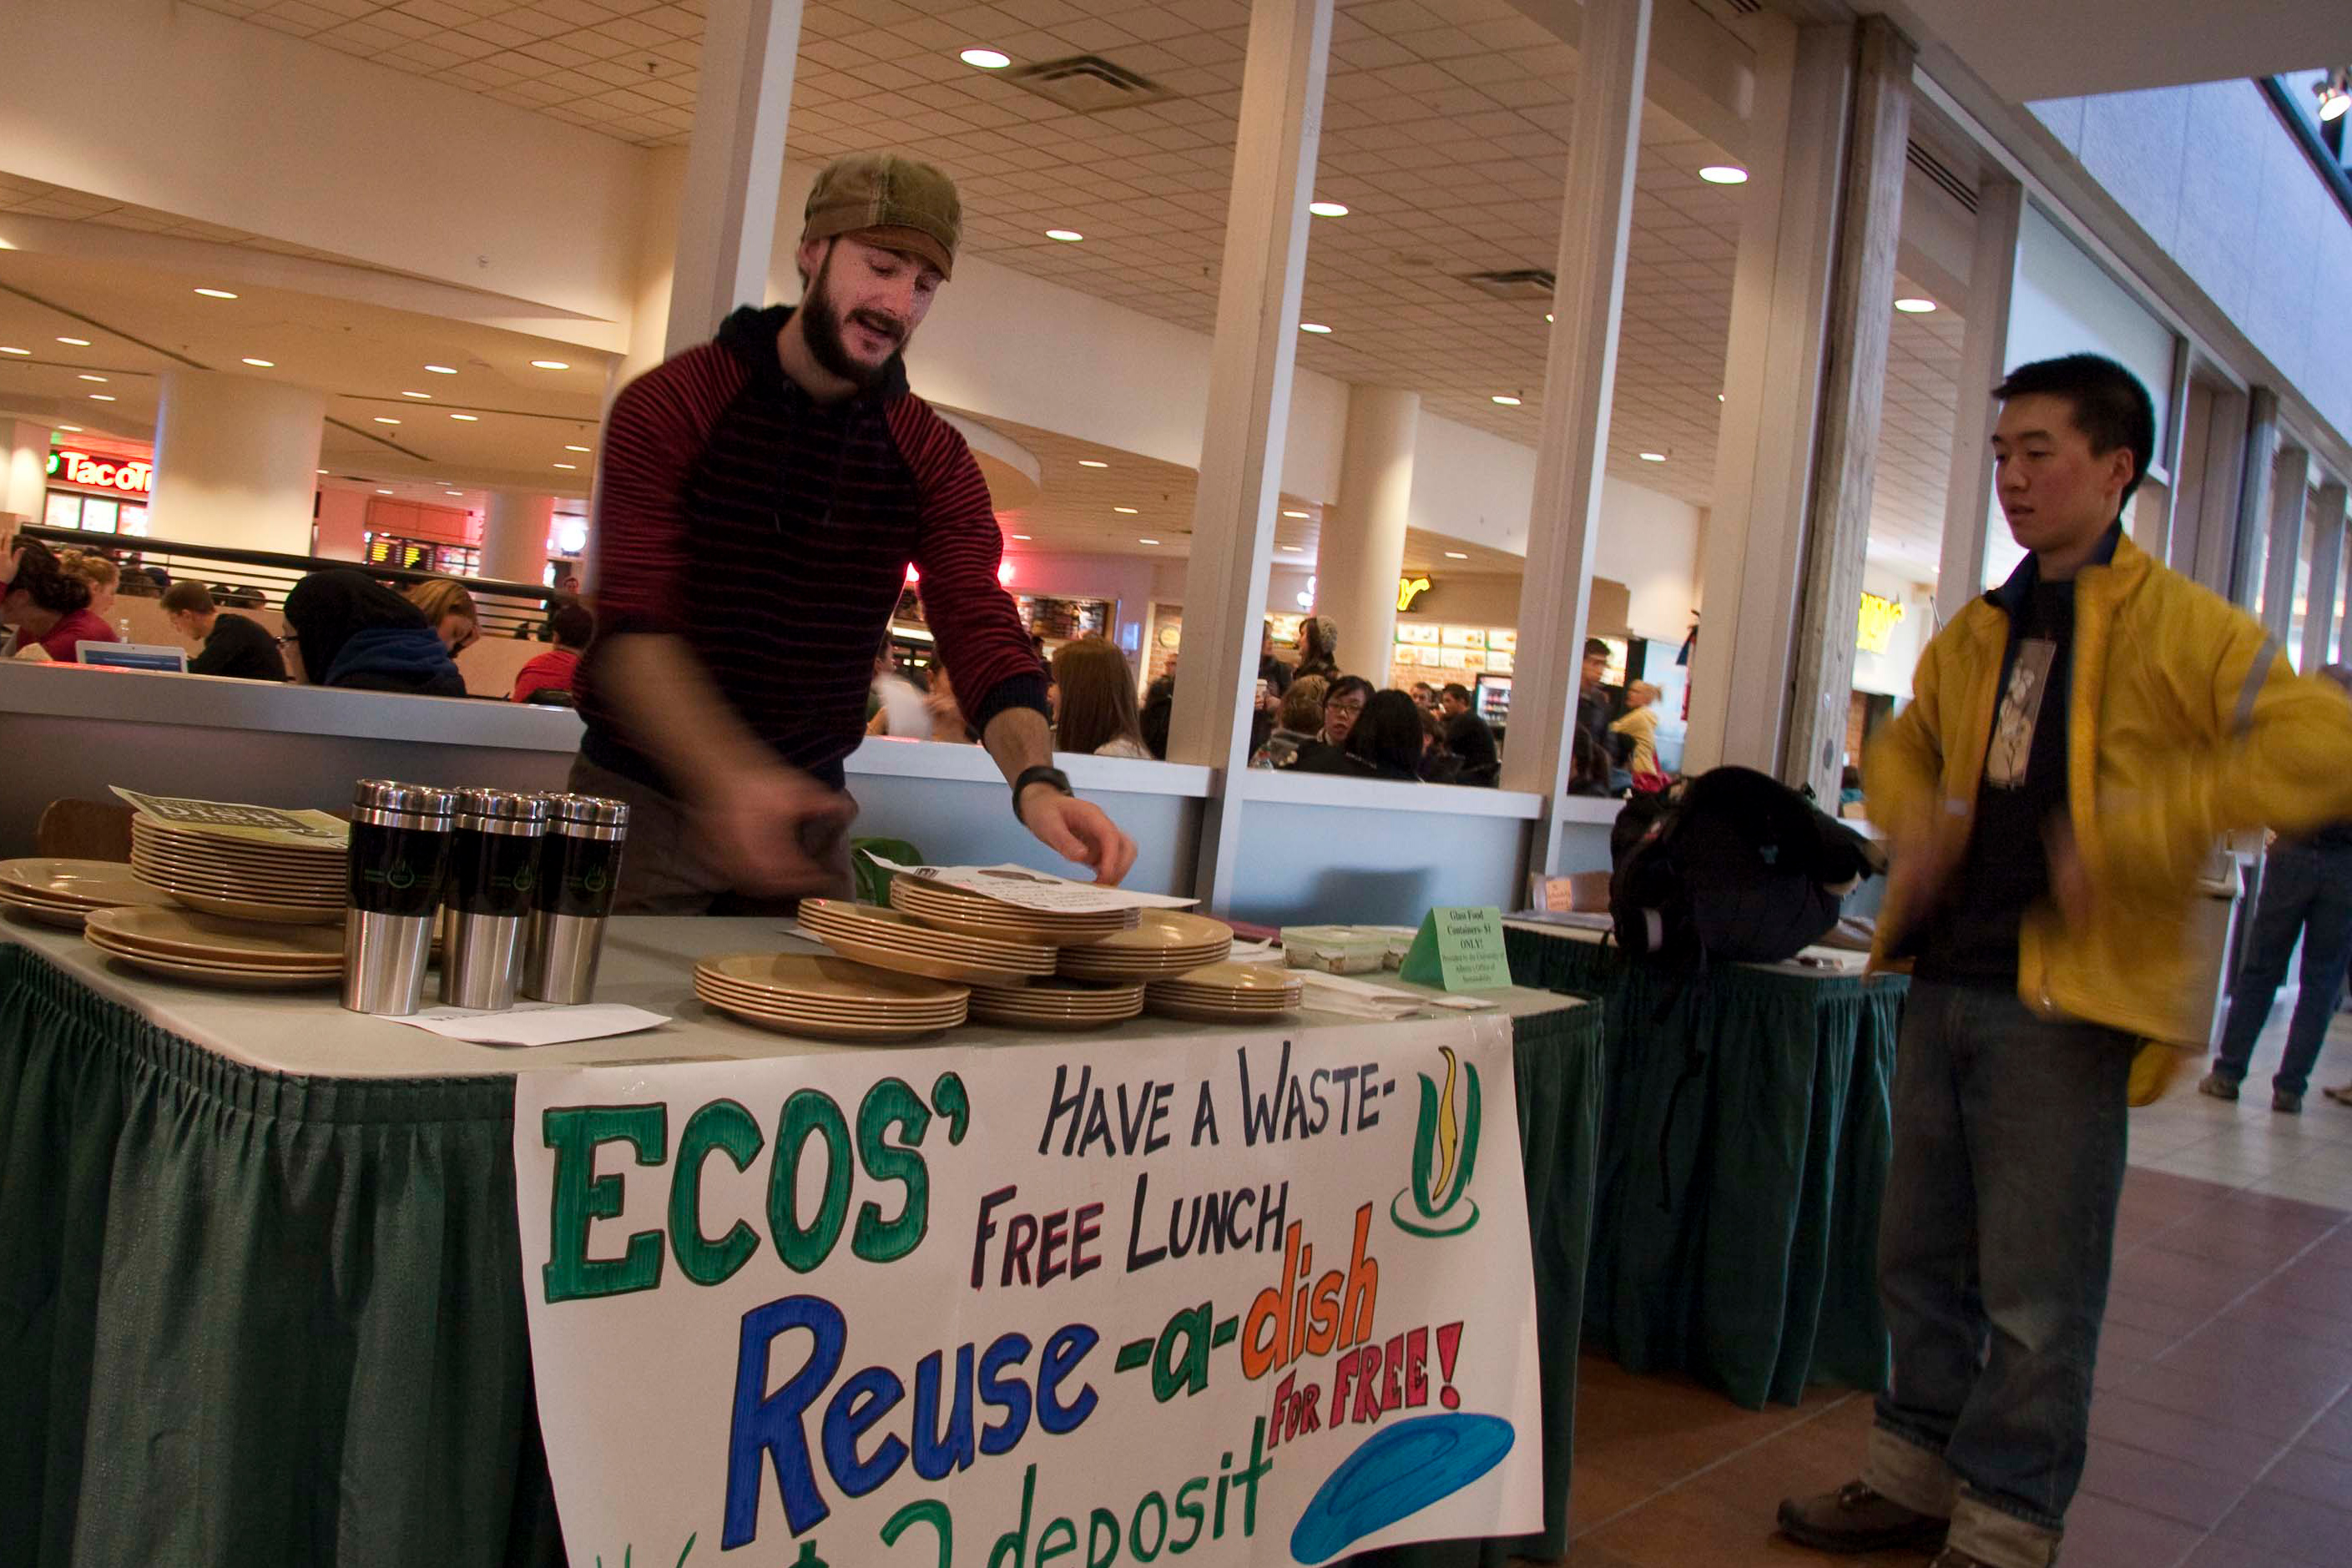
1444	1155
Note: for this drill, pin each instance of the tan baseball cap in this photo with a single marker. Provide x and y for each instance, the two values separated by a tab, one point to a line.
888	201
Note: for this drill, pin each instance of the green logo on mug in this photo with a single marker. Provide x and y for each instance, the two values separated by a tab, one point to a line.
400	875
594	882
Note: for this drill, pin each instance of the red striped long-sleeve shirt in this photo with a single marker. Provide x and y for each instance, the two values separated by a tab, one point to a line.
772	534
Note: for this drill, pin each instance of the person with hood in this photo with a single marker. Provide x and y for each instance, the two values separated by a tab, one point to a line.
760	501
350	629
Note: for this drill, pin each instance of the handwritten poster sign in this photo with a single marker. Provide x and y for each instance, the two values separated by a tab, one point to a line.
1260	1297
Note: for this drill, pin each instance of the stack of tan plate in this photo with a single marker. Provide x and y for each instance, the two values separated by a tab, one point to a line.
1226	993
1057	1004
240	878
1165	942
827	999
892	940
240	954
60	891
951	908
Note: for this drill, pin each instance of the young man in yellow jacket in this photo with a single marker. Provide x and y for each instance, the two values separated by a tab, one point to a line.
2076	742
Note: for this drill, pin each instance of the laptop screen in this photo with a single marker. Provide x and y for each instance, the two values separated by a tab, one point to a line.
133	656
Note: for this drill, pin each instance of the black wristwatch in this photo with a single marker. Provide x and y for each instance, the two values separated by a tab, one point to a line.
1043	773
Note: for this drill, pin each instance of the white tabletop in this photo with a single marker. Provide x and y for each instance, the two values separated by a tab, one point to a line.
648	962
1815	963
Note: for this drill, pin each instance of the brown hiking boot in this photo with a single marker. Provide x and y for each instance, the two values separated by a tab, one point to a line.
1855	1518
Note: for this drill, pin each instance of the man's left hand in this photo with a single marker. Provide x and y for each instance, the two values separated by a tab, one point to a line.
1077	831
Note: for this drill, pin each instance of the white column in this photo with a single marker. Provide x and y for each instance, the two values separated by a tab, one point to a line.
1243	434
1862	314
342	524
2290	491
237	462
1754	552
727	223
514	535
23	486
2248	539
1580	380
1984	345
1360	548
2326	568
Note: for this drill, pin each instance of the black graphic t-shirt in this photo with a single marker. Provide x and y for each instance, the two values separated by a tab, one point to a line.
1972	940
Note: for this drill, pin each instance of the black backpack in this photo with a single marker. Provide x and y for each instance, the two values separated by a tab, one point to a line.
1735	866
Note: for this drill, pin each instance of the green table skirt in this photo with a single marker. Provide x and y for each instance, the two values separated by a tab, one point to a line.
248	1319
1743	1160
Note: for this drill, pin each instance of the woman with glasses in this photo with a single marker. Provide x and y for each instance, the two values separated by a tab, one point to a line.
1343	704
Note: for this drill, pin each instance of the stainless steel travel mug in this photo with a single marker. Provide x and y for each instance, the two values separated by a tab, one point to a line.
578	870
400	847
493	866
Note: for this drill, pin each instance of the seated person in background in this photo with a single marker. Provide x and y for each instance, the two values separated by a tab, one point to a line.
141	582
1294	724
102	575
1438	763
47	605
1468	737
449	610
1343	704
1640	726
1385	742
552	671
231	644
352	631
1096	711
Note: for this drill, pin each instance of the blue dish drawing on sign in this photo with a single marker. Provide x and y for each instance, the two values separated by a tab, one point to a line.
1395	1473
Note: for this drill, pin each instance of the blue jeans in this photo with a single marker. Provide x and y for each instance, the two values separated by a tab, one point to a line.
2307	892
1994	1242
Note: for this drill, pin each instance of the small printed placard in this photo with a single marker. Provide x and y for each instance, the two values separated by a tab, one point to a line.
1458	948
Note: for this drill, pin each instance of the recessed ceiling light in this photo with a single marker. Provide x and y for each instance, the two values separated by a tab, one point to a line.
1506	399
1653	457
1092	462
1290	513
1547	315
443	369
1067	236
215	294
986	59
1292	549
1313	327
1458	555
1719	397
87	377
426	396
567	465
571	448
1915	307
469	418
77	430
1724	174
1146	541
9	350
76	342
1021	536
382	491
452	492
382	419
1128	510
262	364
100	397
1328	209
322	470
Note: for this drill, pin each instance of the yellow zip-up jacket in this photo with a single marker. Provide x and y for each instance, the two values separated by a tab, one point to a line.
2184	722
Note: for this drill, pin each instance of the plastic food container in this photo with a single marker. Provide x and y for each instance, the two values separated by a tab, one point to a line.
1336	949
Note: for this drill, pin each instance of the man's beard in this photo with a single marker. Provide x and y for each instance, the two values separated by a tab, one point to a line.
821	327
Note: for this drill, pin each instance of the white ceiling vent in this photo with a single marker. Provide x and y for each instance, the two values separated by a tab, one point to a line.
1522	283
1089	84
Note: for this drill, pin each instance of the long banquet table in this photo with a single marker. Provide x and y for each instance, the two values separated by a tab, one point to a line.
1743	1157
261	1285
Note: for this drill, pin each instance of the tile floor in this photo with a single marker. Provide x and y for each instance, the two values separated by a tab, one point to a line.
2221	1432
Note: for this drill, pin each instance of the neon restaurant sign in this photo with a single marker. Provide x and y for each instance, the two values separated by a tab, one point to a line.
132	477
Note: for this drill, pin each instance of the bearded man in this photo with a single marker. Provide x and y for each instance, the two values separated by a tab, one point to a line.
759	499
